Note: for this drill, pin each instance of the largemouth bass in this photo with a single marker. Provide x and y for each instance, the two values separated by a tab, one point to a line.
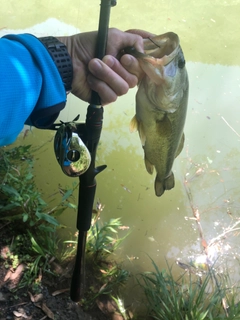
161	105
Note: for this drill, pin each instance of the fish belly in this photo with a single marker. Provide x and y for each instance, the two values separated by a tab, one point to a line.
162	139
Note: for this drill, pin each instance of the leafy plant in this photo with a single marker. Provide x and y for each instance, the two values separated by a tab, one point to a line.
103	240
120	308
41	252
184	299
105	276
19	197
32	219
231	300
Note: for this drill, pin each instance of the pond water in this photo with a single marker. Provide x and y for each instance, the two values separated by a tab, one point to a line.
207	170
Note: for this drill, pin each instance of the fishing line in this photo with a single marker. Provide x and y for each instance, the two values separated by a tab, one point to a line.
154	42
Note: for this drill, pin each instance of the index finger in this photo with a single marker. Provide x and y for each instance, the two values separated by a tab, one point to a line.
118	40
144	34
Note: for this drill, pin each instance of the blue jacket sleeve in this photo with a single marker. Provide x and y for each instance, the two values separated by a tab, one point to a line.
31	87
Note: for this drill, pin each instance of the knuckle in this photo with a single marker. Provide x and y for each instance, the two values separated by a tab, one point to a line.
114	98
123	90
133	82
113	31
107	94
109	99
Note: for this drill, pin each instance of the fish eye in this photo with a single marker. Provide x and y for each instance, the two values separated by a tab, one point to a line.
181	63
181	60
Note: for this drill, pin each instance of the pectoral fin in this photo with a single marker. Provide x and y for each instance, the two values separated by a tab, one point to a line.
135	125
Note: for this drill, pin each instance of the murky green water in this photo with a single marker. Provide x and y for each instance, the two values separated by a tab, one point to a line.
210	160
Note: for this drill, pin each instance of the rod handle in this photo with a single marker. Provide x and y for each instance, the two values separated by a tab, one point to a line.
101	40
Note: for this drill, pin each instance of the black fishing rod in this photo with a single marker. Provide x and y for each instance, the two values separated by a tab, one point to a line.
75	147
90	134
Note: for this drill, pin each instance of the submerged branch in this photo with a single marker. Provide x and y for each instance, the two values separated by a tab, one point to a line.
205	245
223	234
230	127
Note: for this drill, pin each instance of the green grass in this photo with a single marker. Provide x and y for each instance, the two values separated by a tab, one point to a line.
103	240
190	297
104	276
23	210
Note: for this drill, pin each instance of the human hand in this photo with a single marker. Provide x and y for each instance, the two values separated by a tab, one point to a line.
107	77
128	61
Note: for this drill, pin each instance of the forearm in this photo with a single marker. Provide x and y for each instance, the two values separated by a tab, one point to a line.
32	91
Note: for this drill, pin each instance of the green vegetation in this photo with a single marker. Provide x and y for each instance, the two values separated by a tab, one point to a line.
178	300
104	276
196	295
19	197
24	210
103	240
191	297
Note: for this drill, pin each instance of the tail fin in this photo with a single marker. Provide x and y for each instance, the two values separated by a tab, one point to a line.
162	185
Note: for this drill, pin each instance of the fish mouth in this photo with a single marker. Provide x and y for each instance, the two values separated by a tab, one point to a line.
161	50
